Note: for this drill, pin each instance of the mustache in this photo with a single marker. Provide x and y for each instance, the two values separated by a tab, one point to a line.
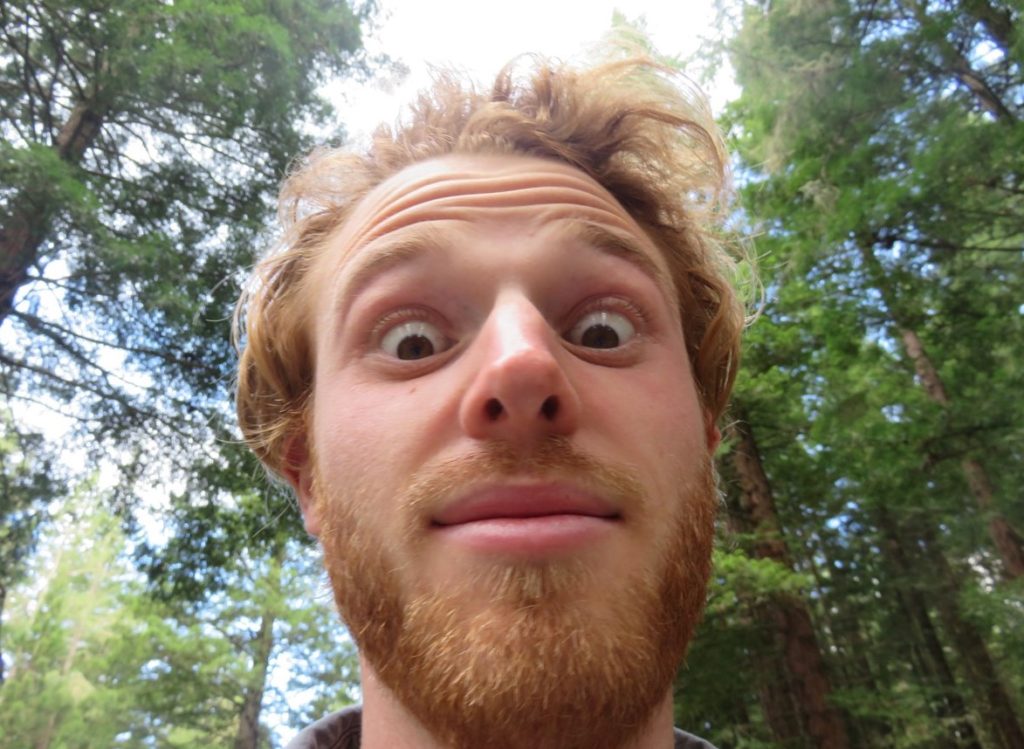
553	459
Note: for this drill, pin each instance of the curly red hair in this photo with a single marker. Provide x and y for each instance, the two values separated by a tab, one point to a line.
636	127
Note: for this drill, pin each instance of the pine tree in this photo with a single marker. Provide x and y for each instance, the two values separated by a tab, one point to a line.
880	152
142	142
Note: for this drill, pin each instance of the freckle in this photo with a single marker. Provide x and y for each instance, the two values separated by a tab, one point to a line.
412	390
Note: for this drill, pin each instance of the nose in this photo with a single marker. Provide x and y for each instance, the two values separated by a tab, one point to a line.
521	392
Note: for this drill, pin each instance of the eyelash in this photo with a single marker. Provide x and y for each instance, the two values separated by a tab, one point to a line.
619	355
614	303
636	314
399	316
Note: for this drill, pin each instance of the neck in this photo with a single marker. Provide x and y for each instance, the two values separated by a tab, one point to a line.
387	724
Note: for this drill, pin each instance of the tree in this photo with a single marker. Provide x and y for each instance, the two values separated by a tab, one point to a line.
753	513
908	186
238	566
142	141
73	653
880	151
28	483
97	661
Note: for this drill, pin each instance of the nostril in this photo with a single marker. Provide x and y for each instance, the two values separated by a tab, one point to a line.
549	408
493	408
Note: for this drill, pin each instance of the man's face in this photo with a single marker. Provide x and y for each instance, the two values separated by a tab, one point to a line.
509	466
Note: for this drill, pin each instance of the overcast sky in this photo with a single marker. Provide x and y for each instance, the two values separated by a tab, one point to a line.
479	37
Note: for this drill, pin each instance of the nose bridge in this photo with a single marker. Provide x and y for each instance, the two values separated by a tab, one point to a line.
516	329
520	390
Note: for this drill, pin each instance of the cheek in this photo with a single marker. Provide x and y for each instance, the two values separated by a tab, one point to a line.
377	430
649	405
344	427
674	406
650	419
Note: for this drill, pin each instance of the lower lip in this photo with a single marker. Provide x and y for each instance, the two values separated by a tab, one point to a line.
546	534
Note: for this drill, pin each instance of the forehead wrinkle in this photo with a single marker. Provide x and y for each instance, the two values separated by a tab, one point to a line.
444	198
456	180
474	188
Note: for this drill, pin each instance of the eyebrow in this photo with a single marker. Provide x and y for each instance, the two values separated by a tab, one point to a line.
387	253
393	251
624	247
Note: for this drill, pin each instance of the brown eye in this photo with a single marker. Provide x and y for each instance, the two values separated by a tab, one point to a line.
602	329
414	339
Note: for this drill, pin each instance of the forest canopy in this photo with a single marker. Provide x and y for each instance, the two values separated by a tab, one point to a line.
869	573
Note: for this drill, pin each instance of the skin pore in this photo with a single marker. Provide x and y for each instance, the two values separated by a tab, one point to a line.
507	463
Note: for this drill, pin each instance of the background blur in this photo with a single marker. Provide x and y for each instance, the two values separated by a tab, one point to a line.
156	591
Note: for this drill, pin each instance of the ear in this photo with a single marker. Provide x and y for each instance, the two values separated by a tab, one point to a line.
712	434
298	471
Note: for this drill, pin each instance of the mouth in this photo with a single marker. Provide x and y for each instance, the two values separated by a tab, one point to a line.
531	519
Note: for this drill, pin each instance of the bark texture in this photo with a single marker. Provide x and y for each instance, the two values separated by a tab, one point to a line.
928	654
955	62
27	224
248	734
997	21
1005	538
993	700
787	616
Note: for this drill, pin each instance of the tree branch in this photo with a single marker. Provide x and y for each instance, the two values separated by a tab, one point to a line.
997	21
143	415
49	329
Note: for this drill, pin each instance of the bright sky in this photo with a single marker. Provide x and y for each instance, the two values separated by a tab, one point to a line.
480	37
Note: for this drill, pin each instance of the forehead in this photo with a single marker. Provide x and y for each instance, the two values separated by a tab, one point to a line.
472	188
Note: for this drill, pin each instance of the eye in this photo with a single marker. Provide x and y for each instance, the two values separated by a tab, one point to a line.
602	329
414	339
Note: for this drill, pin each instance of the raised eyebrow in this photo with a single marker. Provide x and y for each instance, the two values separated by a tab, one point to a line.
605	240
384	254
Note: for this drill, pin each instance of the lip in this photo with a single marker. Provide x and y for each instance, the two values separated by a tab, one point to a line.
526	520
524	501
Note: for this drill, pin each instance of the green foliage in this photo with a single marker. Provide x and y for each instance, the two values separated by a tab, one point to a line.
879	147
71	675
95	661
28	484
142	142
716	693
881	156
741	581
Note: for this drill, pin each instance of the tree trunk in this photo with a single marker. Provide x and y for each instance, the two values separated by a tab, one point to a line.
248	734
969	77
28	222
788	615
44	739
1006	539
775	689
860	670
855	669
948	706
994	703
960	67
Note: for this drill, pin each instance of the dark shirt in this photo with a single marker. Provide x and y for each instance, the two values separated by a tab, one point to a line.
341	730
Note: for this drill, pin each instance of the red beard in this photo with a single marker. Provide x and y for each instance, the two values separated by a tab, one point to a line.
523	654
